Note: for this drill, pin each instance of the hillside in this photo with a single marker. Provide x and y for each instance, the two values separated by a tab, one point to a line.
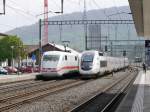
75	34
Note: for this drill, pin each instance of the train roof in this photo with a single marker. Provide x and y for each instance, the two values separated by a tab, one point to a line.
62	48
59	53
104	54
90	51
93	51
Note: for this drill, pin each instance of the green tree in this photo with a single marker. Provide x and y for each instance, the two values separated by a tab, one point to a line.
6	49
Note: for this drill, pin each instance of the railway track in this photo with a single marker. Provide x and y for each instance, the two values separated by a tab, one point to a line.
120	93
105	98
22	97
37	88
15	83
21	86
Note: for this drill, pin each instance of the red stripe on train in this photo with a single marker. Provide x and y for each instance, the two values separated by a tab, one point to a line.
63	68
68	67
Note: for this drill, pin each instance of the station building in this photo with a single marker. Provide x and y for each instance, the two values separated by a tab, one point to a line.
33	51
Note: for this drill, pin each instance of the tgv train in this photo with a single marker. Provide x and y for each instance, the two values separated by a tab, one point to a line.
94	63
59	63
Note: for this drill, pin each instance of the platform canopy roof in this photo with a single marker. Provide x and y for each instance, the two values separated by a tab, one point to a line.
141	14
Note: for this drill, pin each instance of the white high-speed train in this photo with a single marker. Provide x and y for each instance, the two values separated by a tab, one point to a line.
94	63
59	63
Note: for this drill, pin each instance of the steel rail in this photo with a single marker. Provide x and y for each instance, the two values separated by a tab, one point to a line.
40	94
23	86
16	82
34	90
116	97
91	99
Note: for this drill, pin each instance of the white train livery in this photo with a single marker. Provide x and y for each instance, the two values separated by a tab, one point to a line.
94	63
59	63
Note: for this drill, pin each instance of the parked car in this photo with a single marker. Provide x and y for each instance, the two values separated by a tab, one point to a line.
36	69
27	69
11	69
3	71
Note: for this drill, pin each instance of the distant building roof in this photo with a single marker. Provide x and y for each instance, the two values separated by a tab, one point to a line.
34	49
49	47
31	48
2	34
62	48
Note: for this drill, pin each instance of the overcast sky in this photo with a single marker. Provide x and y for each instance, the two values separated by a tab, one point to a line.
23	12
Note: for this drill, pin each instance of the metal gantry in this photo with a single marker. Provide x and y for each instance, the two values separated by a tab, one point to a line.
82	22
4	6
103	39
79	22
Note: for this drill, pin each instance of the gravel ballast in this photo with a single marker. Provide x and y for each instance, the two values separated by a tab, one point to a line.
66	100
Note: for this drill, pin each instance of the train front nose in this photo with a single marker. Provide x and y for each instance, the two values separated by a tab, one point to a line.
51	72
86	65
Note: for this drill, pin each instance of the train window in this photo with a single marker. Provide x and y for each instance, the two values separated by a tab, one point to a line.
87	58
138	59
103	63
100	54
65	57
51	57
75	58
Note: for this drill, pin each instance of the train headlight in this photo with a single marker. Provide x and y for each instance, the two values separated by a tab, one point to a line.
90	65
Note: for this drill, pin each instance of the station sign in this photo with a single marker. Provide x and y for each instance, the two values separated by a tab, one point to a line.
147	43
33	57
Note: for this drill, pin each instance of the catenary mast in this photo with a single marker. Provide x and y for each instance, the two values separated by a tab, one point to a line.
45	40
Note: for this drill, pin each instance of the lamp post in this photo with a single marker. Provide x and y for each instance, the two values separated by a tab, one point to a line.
12	47
124	55
25	50
19	56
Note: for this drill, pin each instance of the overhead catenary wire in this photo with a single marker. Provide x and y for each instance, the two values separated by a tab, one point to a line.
107	16
98	6
116	8
116	26
6	25
118	12
105	13
50	11
20	9
19	12
56	4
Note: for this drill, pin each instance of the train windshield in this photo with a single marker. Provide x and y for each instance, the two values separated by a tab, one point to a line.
53	58
87	57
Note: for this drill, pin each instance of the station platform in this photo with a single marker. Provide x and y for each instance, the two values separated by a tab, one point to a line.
138	97
16	77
